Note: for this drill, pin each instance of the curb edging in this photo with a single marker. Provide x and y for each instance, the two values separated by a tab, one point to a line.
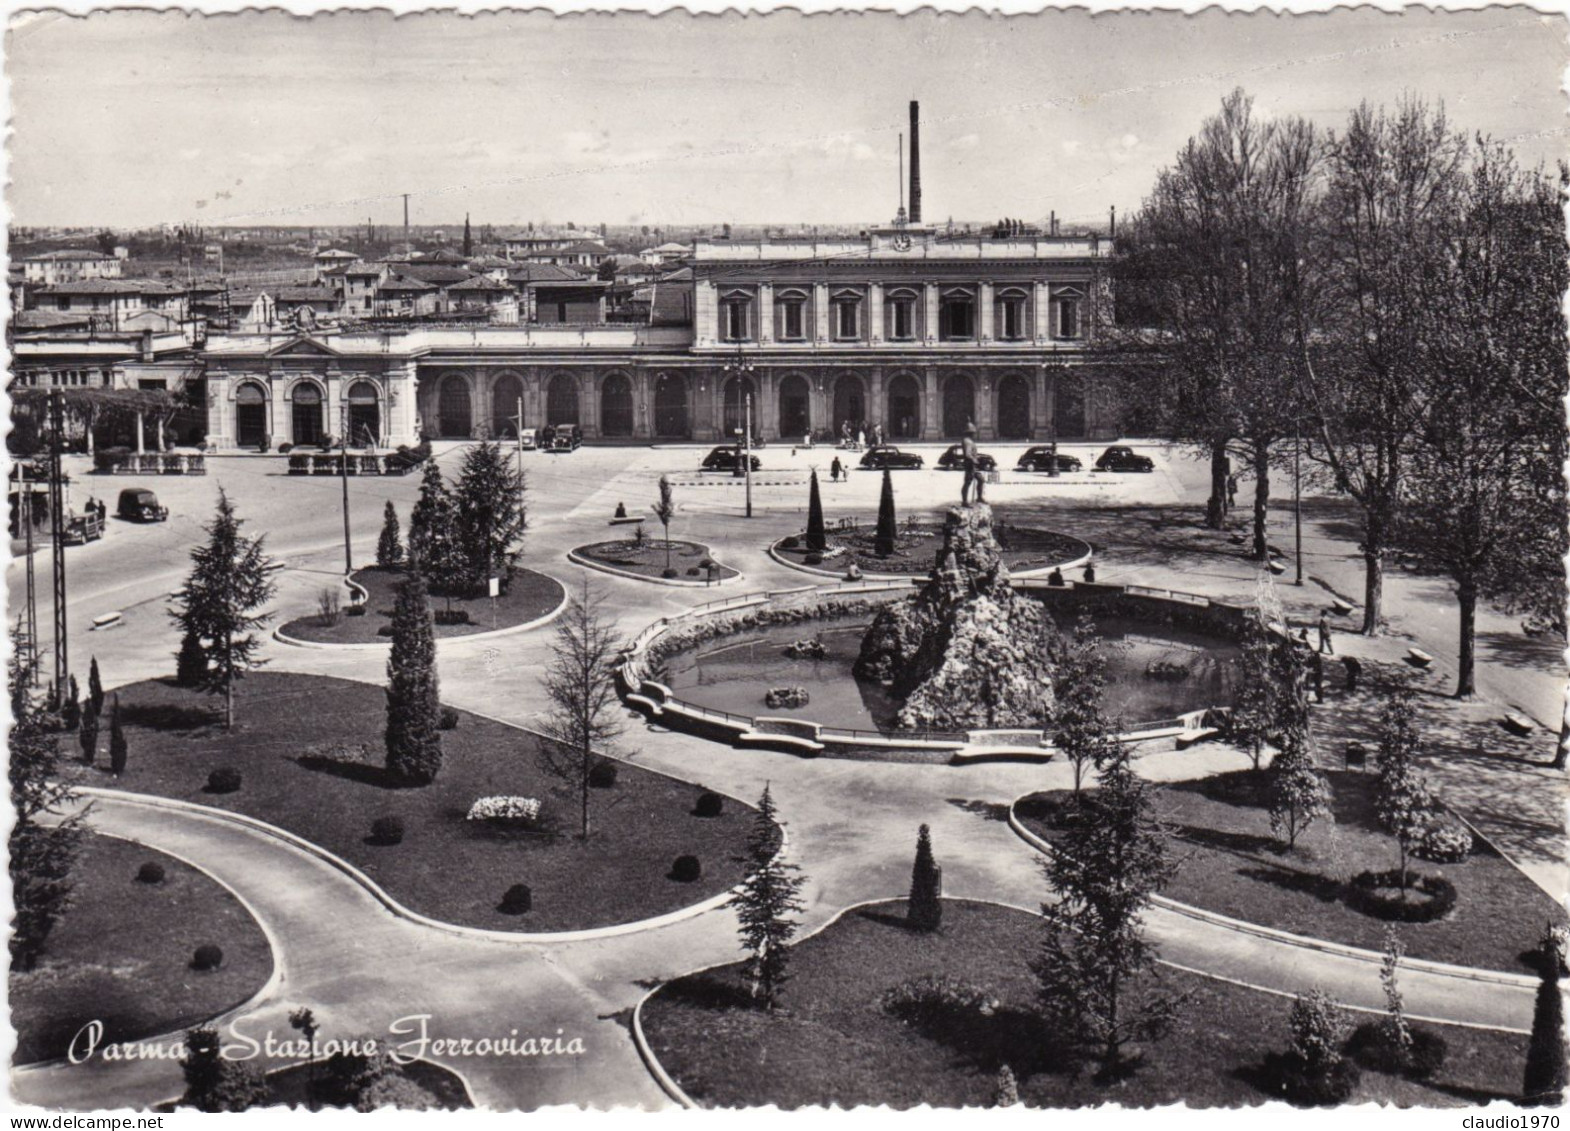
677	582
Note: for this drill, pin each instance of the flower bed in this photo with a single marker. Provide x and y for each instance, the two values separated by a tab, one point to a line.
1025	549
530	596
689	561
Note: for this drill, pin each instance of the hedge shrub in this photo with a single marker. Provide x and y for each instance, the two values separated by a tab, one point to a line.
1444	840
448	719
226	779
686	869
387	830
603	775
517	900
709	805
208	956
1376	893
151	872
1372	1047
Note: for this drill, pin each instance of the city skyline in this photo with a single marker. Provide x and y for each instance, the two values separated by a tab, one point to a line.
266	119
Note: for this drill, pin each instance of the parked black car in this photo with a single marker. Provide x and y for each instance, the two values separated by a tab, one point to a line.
138	504
563	438
890	457
954	460
727	458
1040	459
1120	458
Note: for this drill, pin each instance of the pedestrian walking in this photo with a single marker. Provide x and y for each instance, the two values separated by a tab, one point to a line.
1324	635
861	439
1353	670
1231	491
834	470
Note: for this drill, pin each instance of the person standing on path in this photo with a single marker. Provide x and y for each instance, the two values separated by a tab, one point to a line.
834	470
1353	670
967	447
1324	635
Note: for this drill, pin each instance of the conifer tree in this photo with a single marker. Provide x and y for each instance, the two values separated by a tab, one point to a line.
431	515
1545	1078
71	707
95	688
88	737
413	735
817	538
883	540
190	662
117	743
489	516
925	911
389	547
764	904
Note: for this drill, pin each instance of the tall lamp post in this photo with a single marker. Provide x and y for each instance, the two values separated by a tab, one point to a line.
742	367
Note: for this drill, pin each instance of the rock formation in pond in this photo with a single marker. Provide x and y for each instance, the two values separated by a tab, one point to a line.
966	651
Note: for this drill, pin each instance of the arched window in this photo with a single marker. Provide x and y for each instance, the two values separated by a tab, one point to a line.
454	418
959	405
616	406
307	414
250	414
561	400
1013	408
670	407
506	406
737	390
365	415
904	408
795	407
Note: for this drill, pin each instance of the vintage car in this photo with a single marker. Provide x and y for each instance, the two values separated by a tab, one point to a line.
727	458
563	438
890	457
1041	458
138	504
954	460
1121	458
528	439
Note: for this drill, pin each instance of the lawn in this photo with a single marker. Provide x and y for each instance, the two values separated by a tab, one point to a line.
294	1085
915	551
530	597
122	954
647	558
1230	863
309	749
832	1043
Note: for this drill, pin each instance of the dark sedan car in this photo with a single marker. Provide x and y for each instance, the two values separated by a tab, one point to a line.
892	458
954	460
727	458
1120	458
1040	459
138	504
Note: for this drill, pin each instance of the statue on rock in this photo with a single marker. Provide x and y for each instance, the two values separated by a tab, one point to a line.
966	651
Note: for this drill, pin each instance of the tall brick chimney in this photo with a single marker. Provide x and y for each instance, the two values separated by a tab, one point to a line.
915	162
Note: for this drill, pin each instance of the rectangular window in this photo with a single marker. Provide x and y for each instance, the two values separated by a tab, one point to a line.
957	319
733	321
1012	320
847	319
1068	318
792	322
902	319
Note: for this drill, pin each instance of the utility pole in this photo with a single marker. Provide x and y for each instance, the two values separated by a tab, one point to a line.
343	476
1297	494
519	437
57	525
408	248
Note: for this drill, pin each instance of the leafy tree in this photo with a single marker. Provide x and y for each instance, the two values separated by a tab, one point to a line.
214	1083
1005	1091
1081	731
489	514
413	735
581	686
230	579
117	744
1318	1073
764	905
1403	799
665	510
1299	793
883	539
190	663
817	537
1255	706
1397	1033
1546	1072
304	1021
95	688
1094	952
925	910
41	855
88	737
389	546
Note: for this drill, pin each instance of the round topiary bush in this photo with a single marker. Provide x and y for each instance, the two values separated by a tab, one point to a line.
1379	894
385	630
789	542
668	572
1372	1047
209	956
151	872
387	830
603	775
1444	840
517	900
354	611
686	869
693	571
813	558
709	805
448	720
225	779
704	564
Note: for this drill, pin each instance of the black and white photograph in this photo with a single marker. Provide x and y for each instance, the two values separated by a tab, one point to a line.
763	559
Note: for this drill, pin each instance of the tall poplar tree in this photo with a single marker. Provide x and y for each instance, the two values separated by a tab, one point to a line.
413	735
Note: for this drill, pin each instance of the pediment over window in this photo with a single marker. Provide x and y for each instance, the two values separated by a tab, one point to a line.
303	347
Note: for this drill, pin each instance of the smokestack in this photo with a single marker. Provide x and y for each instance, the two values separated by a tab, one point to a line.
915	162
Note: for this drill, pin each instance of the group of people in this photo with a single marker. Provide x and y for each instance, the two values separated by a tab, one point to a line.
853	435
1315	658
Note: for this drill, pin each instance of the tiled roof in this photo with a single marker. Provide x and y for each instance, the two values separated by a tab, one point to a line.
540	272
479	283
671	304
304	294
586	247
335	253
436	273
68	255
398	284
49	319
112	287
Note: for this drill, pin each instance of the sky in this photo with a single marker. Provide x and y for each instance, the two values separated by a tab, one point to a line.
133	118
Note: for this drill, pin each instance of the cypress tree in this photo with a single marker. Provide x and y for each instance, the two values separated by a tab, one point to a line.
95	688
764	904
925	912
117	745
817	539
431	511
389	547
883	540
71	709
190	662
414	738
88	736
1546	1076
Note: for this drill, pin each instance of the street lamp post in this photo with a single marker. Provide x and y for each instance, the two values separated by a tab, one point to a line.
742	367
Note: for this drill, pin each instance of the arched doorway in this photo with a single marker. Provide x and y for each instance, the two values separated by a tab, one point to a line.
737	390
506	406
250	415
795	407
1068	410
904	408
307	414
616	406
670	407
1013	408
959	405
453	418
365	415
850	403
561	400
